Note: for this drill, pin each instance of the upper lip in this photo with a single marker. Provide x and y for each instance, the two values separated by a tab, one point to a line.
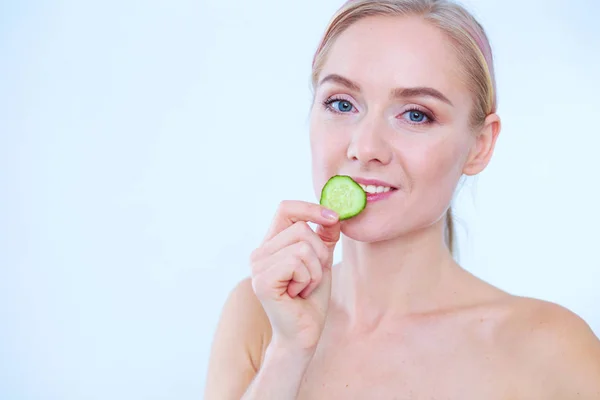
374	182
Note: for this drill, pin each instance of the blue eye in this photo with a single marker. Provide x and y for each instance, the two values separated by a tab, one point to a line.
343	105
338	105
417	117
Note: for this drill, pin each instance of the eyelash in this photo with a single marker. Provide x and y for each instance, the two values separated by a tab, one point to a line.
327	104
430	118
428	115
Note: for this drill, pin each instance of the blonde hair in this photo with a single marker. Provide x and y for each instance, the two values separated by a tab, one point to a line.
466	35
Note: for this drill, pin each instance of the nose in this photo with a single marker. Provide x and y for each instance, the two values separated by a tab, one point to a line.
368	144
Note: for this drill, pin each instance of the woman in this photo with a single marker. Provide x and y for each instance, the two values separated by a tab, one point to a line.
405	103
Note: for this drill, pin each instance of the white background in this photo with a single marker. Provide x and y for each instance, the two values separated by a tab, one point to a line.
144	146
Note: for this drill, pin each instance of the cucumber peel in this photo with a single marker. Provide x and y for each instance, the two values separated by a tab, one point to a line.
344	196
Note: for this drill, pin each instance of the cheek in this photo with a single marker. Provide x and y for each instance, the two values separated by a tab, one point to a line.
327	153
433	172
438	167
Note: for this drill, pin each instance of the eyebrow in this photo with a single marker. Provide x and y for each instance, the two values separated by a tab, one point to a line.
335	78
420	91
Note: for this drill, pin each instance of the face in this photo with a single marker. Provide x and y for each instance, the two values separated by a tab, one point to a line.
391	110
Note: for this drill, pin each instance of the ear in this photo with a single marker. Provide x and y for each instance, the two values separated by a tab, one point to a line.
483	146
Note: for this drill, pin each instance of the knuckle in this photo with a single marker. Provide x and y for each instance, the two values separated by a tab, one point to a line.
302	275
283	206
255	255
304	280
256	266
297	263
298	266
299	229
304	249
304	230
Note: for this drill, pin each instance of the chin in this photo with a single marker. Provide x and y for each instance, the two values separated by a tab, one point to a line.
374	227
371	229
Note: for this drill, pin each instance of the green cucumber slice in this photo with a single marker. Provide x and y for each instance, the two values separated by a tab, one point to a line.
344	196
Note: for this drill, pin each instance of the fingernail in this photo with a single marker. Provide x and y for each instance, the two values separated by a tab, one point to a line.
329	214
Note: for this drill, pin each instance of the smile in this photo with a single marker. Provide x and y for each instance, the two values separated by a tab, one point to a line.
372	189
376	189
376	193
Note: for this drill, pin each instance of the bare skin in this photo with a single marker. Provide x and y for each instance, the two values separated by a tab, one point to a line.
508	349
397	318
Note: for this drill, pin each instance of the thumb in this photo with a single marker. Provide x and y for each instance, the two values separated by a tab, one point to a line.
329	234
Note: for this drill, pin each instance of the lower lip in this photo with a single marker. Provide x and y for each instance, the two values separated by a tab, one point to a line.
371	197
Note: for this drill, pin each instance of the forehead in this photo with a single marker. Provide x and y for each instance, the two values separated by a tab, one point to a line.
380	52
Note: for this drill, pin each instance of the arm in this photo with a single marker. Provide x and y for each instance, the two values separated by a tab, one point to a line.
279	377
243	363
236	350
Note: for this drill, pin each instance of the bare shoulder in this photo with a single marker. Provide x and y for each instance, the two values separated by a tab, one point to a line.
240	339
555	345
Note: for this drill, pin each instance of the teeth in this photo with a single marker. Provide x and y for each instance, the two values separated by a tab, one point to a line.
375	189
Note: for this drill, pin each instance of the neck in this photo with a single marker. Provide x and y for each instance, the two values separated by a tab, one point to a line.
397	277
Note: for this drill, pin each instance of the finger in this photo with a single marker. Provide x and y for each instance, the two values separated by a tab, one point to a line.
313	265
317	278
284	271
323	289
329	234
301	249
290	275
303	252
291	211
299	231
300	280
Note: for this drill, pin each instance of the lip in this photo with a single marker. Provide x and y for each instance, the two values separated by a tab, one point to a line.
374	182
372	197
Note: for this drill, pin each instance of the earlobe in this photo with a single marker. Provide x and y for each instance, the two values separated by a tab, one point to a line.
483	146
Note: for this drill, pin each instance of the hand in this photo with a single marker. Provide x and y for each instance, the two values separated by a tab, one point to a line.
291	273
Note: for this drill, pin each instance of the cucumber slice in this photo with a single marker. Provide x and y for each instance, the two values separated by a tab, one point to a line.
344	196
